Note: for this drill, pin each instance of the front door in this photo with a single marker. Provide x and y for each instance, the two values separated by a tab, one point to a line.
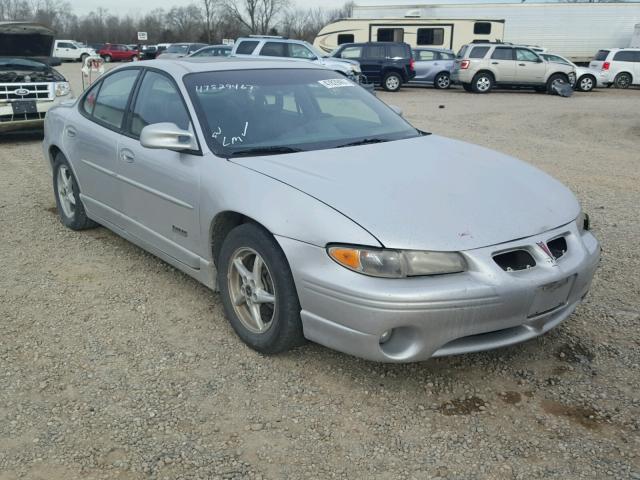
93	145
160	188
529	67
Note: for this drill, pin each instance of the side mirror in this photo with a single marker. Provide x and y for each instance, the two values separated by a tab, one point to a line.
396	109
167	136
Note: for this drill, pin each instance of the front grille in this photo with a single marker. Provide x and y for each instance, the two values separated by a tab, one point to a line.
515	260
34	91
22	117
557	247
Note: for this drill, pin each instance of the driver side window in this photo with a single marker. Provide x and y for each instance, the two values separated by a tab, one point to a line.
158	101
300	51
523	55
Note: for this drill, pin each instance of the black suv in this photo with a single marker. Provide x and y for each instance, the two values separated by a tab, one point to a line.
389	64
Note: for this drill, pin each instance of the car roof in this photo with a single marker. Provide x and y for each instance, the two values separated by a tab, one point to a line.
187	65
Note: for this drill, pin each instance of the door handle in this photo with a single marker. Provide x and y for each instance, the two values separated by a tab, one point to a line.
127	156
522	64
495	63
71	132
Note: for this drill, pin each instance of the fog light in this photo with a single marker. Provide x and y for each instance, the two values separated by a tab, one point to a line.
386	335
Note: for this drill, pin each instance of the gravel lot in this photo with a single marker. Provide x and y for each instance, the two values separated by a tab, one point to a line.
113	365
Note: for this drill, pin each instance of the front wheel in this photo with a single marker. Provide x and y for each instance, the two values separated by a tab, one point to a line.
555	80
586	83
258	293
107	58
482	83
442	81
622	80
83	57
392	82
134	58
65	188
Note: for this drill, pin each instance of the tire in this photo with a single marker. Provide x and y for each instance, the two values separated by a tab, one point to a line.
107	59
392	82
134	58
482	82
586	83
467	87
280	327
553	79
622	80
442	81
67	193
83	57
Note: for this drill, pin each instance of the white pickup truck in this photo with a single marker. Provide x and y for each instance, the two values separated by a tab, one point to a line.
29	86
71	50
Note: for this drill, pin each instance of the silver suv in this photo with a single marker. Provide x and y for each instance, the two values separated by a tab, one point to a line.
269	46
480	67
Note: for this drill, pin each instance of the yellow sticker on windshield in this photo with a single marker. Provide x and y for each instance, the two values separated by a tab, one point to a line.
336	83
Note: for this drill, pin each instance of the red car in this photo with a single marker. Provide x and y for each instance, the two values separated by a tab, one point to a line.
115	52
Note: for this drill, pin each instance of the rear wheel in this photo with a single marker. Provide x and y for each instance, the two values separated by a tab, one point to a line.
586	83
482	83
258	292
65	187
622	80
134	58
107	58
442	81
392	82
555	80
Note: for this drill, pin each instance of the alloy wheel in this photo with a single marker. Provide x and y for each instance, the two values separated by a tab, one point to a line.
586	84
392	82
251	289
443	81
66	196
483	84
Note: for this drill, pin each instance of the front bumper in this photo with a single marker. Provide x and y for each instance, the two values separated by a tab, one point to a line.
11	123
483	308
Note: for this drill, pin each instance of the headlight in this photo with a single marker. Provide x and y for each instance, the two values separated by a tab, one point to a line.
396	263
62	89
583	222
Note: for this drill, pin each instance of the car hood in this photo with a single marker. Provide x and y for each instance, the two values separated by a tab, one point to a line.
428	193
25	40
337	63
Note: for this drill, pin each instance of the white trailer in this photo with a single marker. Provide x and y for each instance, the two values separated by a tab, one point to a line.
635	40
574	30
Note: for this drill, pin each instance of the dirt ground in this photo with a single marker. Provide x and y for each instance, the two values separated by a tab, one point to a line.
113	365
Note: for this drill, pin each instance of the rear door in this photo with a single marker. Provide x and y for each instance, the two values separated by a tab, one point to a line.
426	62
160	188
529	67
91	138
503	64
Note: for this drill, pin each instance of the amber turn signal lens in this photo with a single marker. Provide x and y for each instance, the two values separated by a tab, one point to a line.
348	257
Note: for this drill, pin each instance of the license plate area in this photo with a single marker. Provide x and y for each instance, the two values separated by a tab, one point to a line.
23	107
551	296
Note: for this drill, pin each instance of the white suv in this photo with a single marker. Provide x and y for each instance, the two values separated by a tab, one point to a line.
621	65
270	46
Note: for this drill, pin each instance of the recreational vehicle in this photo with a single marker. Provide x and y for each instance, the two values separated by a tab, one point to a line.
573	30
417	32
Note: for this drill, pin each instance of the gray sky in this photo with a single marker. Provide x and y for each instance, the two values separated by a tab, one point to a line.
81	7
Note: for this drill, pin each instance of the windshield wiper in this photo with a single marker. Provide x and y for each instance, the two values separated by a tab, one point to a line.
366	141
257	151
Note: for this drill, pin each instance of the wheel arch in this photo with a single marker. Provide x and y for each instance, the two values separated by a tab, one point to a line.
222	224
485	71
627	72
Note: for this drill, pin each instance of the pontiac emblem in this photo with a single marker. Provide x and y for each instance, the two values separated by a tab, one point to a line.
543	246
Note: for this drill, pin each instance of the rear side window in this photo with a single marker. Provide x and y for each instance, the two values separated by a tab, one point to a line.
247	48
425	55
446	56
274	49
430	36
113	97
601	55
482	28
374	51
502	53
397	52
478	52
626	56
345	38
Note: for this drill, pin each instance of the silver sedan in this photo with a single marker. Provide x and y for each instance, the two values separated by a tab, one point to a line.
317	211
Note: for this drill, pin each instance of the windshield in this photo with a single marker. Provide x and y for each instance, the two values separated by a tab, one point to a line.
177	48
283	111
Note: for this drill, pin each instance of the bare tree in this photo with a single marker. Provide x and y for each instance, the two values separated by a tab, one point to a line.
186	22
257	16
210	8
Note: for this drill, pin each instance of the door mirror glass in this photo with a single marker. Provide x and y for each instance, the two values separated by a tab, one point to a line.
167	136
